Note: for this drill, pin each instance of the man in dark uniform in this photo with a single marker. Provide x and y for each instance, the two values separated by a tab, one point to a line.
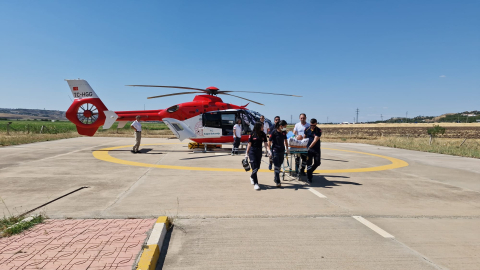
313	133
272	129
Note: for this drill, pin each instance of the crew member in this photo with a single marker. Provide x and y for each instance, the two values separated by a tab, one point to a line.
275	121
254	151
138	134
237	136
313	133
277	143
266	128
299	129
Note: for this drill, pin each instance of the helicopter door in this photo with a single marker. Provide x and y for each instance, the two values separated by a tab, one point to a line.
212	124
180	129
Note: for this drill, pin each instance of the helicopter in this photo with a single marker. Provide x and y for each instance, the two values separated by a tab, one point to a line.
206	119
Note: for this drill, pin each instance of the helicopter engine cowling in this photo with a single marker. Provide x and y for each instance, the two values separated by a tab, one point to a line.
87	114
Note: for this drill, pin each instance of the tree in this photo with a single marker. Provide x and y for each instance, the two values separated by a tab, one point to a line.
435	131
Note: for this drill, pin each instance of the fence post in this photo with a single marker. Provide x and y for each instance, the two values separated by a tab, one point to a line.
41	129
8	128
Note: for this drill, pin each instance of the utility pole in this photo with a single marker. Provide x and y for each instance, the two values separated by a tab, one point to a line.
144	107
357	115
406	116
327	119
291	119
381	117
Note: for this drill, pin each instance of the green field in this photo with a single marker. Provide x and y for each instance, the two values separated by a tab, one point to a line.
35	127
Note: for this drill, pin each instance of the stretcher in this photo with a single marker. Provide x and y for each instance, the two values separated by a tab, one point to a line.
288	162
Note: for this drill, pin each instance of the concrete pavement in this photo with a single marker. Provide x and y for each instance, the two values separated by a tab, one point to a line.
432	206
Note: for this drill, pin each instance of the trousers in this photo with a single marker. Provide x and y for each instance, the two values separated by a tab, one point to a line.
236	144
255	156
138	138
277	163
313	161
303	164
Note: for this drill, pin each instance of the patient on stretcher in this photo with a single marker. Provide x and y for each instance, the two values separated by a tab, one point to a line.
298	142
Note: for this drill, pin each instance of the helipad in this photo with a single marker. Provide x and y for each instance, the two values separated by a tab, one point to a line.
103	154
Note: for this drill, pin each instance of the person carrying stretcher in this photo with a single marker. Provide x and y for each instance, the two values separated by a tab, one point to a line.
299	129
278	143
313	134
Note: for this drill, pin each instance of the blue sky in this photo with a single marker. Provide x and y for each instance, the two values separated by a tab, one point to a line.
384	57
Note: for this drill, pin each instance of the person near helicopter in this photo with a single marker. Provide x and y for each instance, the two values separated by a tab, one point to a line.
313	133
278	143
254	151
237	136
275	121
299	129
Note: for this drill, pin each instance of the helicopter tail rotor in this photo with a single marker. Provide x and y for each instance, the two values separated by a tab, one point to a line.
87	111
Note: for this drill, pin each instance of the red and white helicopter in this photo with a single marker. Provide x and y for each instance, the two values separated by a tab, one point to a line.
206	119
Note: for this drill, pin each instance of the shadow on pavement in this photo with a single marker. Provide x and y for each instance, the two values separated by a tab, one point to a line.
322	182
334	160
163	252
318	181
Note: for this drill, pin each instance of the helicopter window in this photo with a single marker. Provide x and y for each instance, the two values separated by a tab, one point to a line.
212	120
177	126
228	119
172	109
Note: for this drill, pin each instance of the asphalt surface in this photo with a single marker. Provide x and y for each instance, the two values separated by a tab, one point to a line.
431	208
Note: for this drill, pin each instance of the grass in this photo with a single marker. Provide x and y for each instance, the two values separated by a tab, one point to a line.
470	148
19	138
30	131
34	126
12	225
16	224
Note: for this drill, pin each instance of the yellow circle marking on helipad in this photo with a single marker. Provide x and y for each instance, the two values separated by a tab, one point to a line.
103	154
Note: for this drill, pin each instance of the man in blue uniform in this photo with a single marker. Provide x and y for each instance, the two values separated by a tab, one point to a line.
276	120
313	133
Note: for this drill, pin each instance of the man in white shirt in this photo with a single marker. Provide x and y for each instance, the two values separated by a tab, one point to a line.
300	130
138	134
237	136
266	129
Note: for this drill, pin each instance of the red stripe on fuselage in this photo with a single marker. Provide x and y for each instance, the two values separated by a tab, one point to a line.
223	139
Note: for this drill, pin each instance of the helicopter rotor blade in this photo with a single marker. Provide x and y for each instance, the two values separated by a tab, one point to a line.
242	98
259	93
179	87
175	94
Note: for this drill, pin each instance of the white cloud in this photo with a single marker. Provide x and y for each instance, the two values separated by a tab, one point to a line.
442	76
